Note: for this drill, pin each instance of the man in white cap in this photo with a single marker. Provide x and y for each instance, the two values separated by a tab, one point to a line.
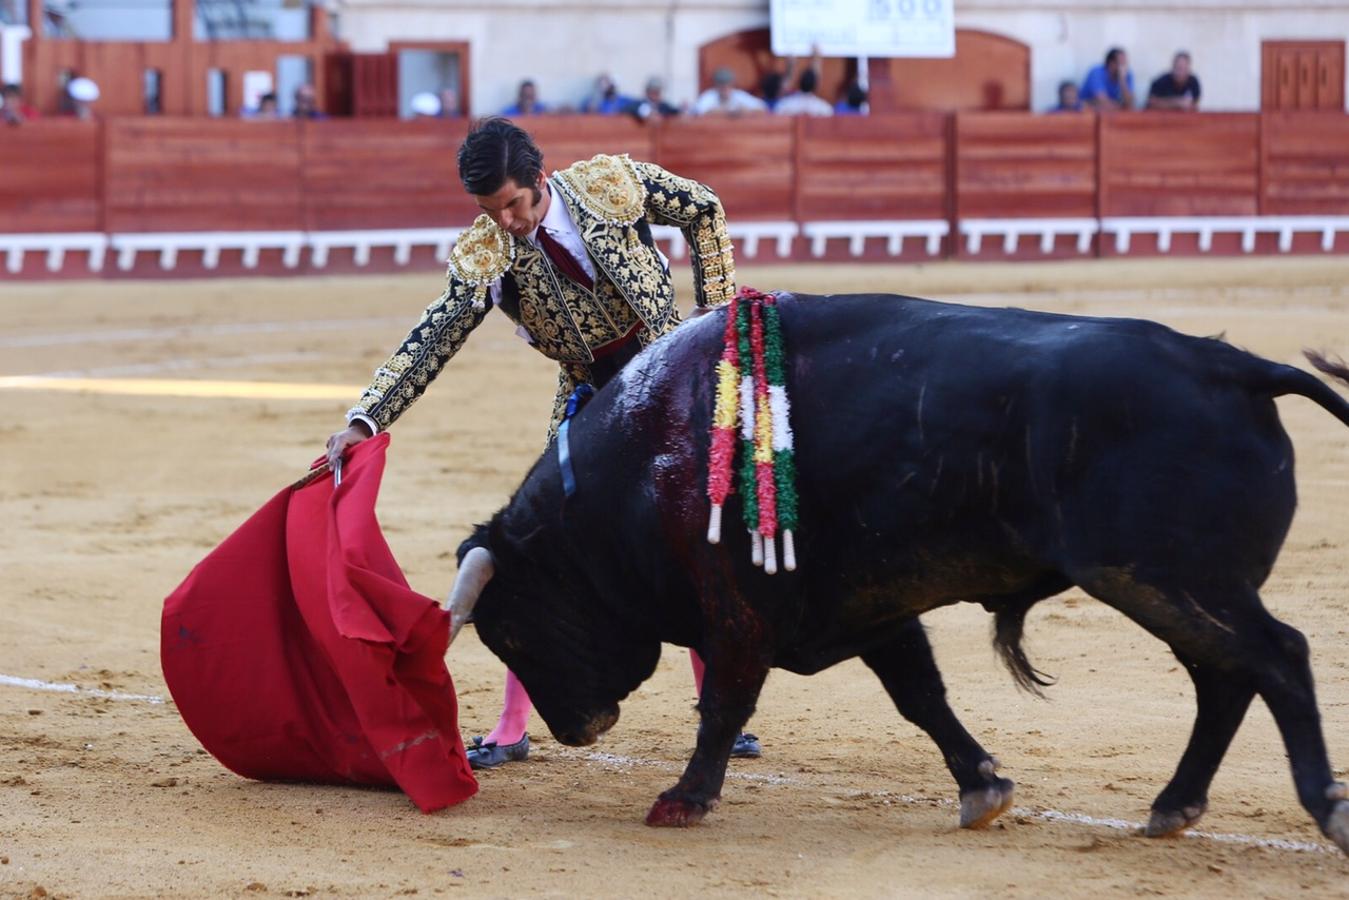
425	105
725	99
83	92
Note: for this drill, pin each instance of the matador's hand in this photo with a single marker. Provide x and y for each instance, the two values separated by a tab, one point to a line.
343	440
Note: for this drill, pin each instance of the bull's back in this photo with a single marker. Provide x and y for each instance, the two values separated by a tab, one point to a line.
953	453
948	452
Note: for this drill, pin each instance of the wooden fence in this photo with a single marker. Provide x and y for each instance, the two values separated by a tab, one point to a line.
970	170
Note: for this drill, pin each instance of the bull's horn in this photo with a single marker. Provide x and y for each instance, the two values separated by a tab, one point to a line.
473	576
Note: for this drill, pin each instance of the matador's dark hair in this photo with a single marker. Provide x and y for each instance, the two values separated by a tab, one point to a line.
497	149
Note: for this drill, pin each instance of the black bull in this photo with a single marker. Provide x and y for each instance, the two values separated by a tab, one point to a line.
945	453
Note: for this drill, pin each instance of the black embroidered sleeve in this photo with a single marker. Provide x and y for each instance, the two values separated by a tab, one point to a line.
694	209
438	336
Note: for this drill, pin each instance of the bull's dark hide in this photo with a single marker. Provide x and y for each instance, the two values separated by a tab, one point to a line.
945	453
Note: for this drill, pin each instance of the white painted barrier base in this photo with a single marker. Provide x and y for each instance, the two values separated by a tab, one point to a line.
1125	227
169	244
931	231
401	240
14	246
974	231
750	235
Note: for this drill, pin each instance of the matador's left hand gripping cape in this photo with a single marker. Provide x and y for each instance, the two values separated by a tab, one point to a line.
613	201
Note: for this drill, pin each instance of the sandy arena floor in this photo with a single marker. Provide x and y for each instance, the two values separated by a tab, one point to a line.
109	497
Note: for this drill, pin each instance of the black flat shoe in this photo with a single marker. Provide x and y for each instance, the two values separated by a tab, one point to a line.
489	756
746	746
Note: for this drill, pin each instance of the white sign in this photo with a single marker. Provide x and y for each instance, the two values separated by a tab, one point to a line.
864	27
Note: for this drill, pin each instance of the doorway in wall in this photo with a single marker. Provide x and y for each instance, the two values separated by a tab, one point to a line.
1302	75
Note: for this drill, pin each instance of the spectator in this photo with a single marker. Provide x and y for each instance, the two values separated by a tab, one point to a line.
770	85
13	109
805	102
725	99
83	93
1111	85
449	103
526	101
266	108
1069	101
425	105
306	103
1177	89
653	103
854	102
605	99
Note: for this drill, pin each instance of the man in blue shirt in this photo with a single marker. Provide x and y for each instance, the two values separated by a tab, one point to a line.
605	100
526	101
1111	85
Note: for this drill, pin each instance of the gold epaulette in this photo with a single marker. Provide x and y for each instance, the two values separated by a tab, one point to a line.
482	254
608	187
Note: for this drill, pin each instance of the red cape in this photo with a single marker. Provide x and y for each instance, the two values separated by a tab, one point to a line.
296	651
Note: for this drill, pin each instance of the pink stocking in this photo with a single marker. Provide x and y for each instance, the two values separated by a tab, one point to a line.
514	713
699	667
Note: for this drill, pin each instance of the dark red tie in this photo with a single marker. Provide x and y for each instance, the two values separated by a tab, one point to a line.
565	262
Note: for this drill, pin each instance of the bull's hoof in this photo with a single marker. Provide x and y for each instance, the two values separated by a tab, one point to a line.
674	812
981	806
1337	825
1166	822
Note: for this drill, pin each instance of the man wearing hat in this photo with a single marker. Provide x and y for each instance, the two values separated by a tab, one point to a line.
571	260
725	99
653	102
82	93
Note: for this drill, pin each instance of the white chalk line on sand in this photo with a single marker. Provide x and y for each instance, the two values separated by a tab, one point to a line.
179	365
615	761
56	687
122	335
619	762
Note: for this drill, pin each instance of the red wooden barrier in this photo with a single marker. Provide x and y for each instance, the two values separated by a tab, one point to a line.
1304	163
393	174
1179	164
49	172
1016	166
854	167
565	139
750	162
202	175
193	174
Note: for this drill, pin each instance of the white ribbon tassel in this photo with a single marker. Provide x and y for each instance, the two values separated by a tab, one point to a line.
756	548
770	556
788	551
714	525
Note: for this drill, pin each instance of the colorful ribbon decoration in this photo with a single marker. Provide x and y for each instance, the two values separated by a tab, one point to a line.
752	393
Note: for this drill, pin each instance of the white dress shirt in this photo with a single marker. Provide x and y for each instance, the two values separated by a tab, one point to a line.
557	222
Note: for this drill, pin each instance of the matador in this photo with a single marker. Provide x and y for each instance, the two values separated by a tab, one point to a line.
572	261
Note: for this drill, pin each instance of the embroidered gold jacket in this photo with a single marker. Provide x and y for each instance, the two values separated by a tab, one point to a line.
613	201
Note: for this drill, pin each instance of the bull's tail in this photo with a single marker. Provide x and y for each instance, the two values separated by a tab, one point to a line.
1278	380
1009	623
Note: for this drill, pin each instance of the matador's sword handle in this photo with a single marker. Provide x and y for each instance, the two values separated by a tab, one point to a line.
318	472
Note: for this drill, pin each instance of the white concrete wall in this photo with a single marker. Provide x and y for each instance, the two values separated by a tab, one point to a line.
1223	36
563	44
